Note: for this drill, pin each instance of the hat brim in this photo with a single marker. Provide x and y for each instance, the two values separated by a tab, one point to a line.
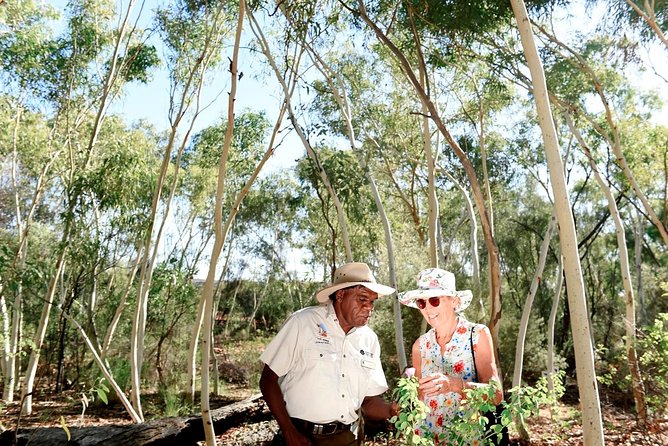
408	298
322	296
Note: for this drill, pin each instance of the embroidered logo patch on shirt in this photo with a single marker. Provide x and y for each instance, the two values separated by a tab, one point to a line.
322	337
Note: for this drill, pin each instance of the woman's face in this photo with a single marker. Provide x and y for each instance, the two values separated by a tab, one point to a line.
437	309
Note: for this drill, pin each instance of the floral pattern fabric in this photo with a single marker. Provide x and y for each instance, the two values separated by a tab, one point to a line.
457	361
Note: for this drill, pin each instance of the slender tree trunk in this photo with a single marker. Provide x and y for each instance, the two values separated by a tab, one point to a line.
475	258
592	425
625	270
340	213
38	339
219	240
637	243
526	313
341	97
194	337
492	249
648	14
111	330
105	371
190	93
551	324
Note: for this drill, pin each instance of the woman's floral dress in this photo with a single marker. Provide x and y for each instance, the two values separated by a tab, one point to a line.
456	360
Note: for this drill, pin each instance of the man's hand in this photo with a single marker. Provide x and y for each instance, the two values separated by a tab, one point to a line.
295	438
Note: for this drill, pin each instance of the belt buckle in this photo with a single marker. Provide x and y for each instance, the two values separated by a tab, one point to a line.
317	429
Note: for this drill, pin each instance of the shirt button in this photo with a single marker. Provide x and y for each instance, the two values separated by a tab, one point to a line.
343	396
321	355
344	356
341	416
343	375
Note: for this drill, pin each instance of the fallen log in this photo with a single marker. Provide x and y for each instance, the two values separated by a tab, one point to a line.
165	431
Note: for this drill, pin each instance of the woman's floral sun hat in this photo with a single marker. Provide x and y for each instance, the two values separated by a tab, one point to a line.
434	282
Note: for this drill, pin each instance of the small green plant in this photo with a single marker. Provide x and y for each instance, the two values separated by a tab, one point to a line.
99	390
470	426
174	404
412	411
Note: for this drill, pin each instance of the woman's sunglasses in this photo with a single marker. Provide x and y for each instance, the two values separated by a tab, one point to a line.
433	301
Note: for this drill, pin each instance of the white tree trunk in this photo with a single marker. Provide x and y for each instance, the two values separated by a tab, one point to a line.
340	213
625	270
219	240
526	313
103	368
478	197
475	257
550	325
592	425
528	303
201	311
637	241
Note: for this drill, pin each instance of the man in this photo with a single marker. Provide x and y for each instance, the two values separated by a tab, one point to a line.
324	364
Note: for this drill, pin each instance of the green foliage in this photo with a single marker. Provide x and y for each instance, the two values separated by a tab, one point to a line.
412	411
191	31
174	403
99	391
653	345
468	427
137	63
523	402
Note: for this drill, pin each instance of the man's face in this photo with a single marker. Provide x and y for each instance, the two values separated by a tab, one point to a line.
355	306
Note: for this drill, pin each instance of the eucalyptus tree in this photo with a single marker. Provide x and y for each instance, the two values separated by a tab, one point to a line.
440	17
192	33
625	270
587	384
597	71
244	158
24	49
339	86
75	76
652	14
609	129
303	13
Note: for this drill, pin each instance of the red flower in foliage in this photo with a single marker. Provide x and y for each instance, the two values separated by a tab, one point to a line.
461	330
439	420
433	404
458	367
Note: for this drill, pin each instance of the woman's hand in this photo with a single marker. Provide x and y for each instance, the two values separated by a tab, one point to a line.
438	383
434	384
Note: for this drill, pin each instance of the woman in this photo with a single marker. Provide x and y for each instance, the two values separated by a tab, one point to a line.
443	358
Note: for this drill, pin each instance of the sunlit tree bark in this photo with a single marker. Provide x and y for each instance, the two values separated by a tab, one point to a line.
478	197
625	270
592	425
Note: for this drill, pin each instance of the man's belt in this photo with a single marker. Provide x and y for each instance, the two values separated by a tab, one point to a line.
319	429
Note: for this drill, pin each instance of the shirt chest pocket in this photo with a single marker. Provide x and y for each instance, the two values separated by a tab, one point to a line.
319	355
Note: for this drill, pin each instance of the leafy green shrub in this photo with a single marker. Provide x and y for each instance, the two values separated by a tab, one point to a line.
653	348
469	426
412	411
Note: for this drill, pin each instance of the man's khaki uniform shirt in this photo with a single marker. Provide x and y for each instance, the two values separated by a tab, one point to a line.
324	373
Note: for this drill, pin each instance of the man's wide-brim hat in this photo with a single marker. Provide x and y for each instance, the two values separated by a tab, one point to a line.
435	282
349	275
